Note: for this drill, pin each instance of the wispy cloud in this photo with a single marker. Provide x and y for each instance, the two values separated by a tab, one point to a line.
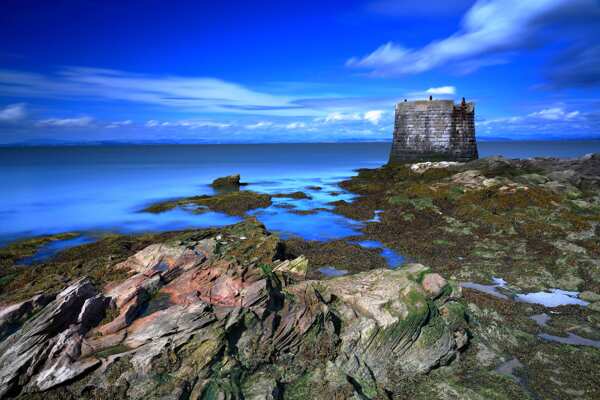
66	122
372	116
190	124
449	90
338	116
12	112
295	125
579	66
546	123
119	124
259	125
197	94
490	28
555	114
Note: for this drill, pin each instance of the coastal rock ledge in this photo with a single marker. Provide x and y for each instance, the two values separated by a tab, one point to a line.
218	316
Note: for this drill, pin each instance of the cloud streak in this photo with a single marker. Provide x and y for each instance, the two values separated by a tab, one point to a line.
195	94
489	28
551	122
13	113
67	122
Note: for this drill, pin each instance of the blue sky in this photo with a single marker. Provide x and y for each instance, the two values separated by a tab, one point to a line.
280	71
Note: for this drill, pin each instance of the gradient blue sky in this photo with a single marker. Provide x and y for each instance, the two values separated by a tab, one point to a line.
279	71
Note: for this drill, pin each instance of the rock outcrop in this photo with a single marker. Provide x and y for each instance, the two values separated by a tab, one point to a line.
231	182
221	317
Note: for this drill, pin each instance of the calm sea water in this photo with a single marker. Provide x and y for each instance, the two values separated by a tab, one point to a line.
56	189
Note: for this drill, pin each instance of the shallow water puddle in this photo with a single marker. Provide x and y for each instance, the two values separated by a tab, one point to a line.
332	271
552	298
394	260
571	339
492	290
51	249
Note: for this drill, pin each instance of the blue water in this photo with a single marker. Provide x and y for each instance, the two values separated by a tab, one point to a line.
52	248
393	259
57	189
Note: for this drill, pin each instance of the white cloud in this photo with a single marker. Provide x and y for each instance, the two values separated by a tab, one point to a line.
373	116
387	54
450	90
194	94
551	122
190	124
12	112
490	27
118	124
66	122
259	125
338	116
554	114
295	125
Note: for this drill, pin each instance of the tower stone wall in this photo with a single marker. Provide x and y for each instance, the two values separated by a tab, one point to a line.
434	130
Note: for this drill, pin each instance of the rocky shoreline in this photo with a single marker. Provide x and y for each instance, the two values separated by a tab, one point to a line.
217	314
238	313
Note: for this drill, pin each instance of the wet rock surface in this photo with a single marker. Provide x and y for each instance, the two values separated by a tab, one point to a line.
230	181
224	314
229	202
523	236
236	313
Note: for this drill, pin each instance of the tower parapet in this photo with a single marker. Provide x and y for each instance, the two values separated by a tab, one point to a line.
434	130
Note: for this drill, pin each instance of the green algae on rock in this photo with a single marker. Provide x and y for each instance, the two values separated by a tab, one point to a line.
241	322
298	195
489	217
232	203
231	181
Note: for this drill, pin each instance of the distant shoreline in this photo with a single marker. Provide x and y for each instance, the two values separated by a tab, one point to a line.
127	144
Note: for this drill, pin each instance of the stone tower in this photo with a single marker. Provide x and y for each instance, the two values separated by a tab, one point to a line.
434	130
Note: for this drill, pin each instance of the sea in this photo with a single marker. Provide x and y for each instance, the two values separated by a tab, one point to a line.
98	189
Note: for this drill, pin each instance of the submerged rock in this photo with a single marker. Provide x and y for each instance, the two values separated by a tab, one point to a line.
235	203
230	320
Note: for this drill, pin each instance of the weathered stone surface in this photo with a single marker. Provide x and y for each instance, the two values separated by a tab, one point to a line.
213	318
11	316
434	284
44	349
434	130
420	168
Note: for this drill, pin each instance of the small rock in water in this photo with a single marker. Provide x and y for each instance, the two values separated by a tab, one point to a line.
227	181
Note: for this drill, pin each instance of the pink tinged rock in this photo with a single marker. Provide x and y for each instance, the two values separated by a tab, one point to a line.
434	284
128	313
124	292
